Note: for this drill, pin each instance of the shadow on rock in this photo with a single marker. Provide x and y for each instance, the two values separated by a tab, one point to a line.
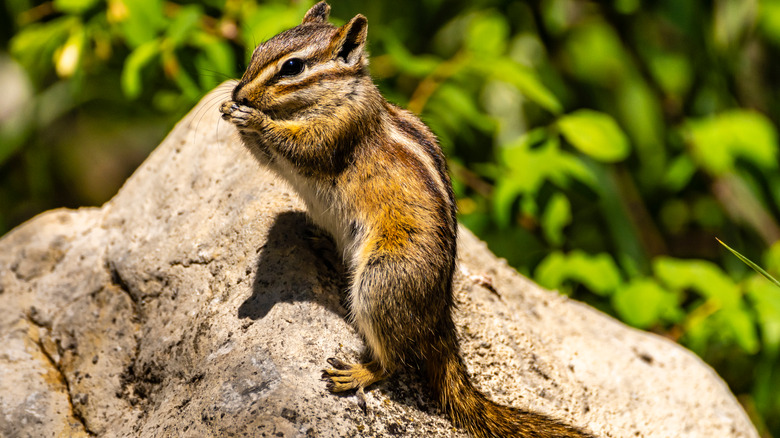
298	262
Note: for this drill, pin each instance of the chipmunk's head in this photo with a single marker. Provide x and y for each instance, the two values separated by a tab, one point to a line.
312	64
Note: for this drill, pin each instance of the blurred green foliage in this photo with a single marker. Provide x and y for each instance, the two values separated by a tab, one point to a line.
600	147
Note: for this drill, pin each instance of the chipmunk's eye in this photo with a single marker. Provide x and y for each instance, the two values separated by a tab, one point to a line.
292	67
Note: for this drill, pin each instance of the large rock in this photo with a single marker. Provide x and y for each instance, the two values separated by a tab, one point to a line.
199	302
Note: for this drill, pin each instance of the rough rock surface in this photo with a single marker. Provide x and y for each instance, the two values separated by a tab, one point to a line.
199	302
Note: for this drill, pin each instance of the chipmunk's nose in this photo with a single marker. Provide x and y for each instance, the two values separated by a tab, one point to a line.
241	95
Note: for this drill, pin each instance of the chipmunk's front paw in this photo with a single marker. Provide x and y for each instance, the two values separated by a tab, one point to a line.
243	116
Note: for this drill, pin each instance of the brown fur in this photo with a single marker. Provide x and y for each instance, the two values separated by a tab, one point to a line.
374	176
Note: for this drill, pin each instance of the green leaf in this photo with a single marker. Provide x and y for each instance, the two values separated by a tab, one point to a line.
68	57
488	34
556	216
679	173
527	168
180	76
531	166
216	62
262	22
504	195
732	20
185	21
141	20
595	54
74	6
769	21
675	215
740	321
724	311
525	79
627	6
622	234
704	277
131	73
595	134
750	263
708	212
672	71
640	112
643	303
459	103
17	116
598	273
34	46
772	258
718	141
766	303
415	65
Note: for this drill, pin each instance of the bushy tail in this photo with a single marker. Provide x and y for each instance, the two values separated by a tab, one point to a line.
470	409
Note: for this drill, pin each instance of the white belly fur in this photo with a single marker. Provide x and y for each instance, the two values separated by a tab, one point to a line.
330	213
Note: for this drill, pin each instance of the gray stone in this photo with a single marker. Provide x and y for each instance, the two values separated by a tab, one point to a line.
200	302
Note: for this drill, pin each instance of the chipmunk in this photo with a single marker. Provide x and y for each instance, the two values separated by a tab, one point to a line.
374	177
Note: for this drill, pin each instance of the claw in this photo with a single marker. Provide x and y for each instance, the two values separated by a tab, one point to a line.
361	400
339	365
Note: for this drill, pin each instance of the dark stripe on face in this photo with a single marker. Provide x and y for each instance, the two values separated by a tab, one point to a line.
237	89
270	52
325	75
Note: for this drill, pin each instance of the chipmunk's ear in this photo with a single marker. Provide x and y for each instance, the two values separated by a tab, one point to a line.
350	40
317	14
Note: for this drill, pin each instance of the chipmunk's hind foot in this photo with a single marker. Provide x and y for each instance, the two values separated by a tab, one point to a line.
346	376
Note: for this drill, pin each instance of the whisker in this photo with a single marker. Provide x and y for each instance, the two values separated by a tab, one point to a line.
203	109
220	93
214	74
